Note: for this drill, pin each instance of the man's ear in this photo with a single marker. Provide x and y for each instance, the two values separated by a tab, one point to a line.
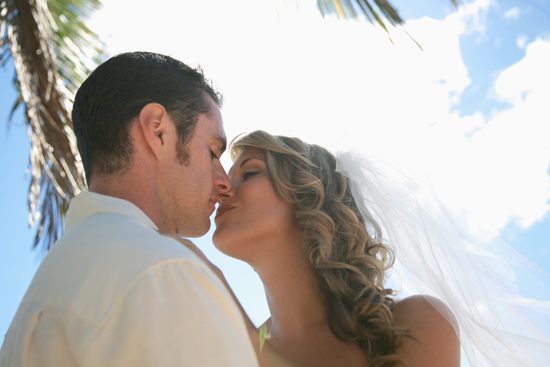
154	123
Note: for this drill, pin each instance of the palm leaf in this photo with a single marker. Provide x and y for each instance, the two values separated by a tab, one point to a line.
52	51
376	11
263	333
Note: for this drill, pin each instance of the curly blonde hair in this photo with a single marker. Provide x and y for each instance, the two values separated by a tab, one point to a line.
349	261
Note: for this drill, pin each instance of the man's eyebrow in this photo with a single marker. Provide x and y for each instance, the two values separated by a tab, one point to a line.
247	159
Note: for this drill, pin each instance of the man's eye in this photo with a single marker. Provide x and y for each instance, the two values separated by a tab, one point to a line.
214	156
247	175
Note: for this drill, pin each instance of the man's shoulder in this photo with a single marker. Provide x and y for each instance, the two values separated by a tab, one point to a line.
94	264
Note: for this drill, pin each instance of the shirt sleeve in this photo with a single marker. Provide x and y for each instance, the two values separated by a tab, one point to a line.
177	313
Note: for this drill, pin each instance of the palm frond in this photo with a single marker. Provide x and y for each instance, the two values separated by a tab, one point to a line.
375	11
52	51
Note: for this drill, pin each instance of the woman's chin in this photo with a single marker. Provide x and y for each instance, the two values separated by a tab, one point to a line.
222	242
231	247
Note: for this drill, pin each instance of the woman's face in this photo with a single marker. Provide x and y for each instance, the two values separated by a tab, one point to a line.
255	221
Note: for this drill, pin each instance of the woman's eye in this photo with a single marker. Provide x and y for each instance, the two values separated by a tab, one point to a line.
247	175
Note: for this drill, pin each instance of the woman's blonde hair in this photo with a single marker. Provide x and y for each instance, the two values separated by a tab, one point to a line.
348	261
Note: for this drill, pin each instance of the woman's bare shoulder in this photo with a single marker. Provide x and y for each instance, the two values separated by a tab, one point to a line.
422	305
433	340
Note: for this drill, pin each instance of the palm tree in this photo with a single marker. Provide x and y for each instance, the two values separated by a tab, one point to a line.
53	51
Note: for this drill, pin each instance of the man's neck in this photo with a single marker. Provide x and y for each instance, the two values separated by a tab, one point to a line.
139	192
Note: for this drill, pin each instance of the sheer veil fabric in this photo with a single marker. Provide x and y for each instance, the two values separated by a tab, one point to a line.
499	299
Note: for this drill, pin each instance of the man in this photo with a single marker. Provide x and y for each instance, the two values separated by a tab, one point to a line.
113	291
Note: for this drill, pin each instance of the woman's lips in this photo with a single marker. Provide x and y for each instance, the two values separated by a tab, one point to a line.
223	209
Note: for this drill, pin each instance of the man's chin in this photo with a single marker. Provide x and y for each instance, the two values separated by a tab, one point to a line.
199	230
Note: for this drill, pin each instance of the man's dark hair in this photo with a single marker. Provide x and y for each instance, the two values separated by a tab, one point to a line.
115	93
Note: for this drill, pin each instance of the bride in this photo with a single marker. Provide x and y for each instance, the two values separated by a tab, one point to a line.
320	231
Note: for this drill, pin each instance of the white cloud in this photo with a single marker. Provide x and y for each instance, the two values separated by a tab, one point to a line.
499	172
472	16
521	41
526	76
512	13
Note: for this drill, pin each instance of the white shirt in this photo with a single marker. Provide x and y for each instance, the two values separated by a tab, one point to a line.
114	292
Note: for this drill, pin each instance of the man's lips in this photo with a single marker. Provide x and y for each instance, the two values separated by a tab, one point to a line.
223	209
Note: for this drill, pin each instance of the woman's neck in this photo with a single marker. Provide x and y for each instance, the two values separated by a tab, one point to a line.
294	298
298	327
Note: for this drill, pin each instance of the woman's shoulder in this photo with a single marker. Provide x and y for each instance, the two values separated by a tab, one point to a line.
423	305
422	312
431	325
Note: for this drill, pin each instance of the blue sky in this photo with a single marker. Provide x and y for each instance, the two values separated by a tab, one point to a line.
17	262
467	100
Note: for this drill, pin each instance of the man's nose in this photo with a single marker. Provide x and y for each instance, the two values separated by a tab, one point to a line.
223	184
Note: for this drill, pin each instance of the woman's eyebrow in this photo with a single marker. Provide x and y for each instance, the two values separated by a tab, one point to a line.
247	159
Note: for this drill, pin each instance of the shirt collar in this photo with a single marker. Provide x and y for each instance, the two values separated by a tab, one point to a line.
87	204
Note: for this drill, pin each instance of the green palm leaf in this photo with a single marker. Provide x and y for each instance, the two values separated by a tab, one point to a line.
374	10
52	51
263	334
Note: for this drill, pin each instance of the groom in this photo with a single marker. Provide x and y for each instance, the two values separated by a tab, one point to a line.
113	291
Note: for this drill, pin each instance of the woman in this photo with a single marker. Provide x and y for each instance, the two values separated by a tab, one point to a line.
318	229
295	221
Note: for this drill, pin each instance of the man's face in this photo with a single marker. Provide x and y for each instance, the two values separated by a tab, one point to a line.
190	191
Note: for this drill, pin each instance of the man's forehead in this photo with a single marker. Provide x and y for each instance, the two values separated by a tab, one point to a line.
214	123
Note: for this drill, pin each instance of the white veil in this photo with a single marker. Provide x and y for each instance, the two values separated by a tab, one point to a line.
501	301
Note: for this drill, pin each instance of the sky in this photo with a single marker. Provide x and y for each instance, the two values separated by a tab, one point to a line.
468	111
